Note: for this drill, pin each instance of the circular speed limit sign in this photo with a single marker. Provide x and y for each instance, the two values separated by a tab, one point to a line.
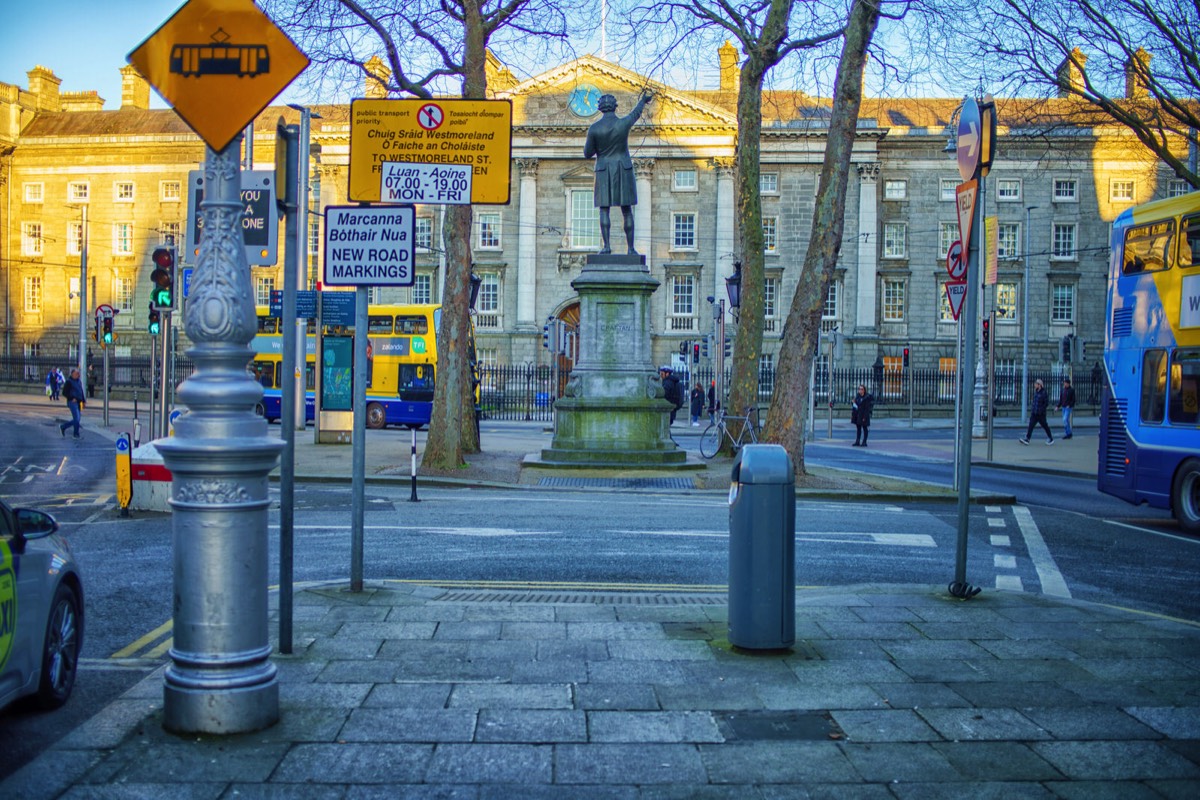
956	264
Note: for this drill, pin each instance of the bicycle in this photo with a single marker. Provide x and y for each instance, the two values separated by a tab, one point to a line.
710	440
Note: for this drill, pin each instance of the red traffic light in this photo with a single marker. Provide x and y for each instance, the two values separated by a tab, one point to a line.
164	257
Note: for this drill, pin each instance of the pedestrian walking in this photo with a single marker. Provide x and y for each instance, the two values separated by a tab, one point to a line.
672	391
91	380
1066	404
713	405
51	385
1037	413
59	380
73	392
697	404
860	415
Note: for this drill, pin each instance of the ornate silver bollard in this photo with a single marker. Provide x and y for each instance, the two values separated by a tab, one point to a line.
221	679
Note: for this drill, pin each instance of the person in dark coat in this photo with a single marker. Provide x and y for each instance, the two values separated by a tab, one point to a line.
1066	404
608	141
860	415
73	392
697	404
1037	413
672	391
713	405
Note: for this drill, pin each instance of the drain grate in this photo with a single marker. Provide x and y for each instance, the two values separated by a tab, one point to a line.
596	598
777	725
618	483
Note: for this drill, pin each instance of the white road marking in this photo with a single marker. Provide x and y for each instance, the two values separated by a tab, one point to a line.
995	522
1001	540
1010	583
1051	579
992	509
1004	562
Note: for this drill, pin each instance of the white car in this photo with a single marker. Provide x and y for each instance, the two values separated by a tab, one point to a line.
41	609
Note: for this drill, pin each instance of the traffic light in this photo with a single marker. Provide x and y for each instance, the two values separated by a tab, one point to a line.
987	334
1066	348
1083	350
107	334
96	333
728	347
155	321
162	296
906	355
695	352
683	348
546	335
704	346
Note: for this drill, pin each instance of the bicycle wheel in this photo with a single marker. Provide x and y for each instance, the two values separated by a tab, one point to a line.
710	440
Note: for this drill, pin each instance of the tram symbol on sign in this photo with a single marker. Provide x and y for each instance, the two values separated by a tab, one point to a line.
219	57
430	116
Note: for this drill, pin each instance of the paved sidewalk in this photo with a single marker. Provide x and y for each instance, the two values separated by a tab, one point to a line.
890	692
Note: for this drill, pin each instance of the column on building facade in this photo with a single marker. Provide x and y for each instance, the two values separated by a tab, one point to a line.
868	246
642	225
527	243
724	167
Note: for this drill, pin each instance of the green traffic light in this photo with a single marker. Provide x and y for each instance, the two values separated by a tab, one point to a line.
154	328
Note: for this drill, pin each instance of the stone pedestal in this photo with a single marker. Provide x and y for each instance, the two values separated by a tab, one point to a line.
613	414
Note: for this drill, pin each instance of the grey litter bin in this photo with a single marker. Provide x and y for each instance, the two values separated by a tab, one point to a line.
762	549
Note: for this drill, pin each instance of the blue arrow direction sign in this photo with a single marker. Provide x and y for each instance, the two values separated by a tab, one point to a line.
970	128
122	443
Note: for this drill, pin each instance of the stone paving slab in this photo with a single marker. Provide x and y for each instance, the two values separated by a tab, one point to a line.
902	693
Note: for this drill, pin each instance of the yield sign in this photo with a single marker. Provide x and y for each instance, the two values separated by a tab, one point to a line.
956	291
966	194
218	63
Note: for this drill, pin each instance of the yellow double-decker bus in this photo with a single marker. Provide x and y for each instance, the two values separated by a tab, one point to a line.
401	363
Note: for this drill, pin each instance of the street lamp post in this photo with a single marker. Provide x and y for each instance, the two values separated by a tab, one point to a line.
81	356
1025	325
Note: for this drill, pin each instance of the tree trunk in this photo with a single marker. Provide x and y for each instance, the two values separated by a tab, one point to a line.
789	406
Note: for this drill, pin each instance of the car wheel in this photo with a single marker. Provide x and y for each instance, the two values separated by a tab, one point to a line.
376	416
1185	496
60	654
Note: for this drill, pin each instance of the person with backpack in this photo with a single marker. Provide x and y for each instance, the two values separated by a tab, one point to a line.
860	415
73	392
672	390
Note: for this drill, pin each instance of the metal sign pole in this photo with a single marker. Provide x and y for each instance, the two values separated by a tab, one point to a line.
287	420
160	428
358	440
105	387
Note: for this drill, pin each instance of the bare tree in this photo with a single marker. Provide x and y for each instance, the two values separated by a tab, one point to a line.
1135	63
429	46
801	329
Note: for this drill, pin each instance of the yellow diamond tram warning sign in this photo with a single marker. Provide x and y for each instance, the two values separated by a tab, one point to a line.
219	63
476	133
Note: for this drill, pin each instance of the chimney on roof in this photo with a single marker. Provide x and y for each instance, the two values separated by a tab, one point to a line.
135	90
727	57
1070	73
376	80
43	84
82	101
1137	75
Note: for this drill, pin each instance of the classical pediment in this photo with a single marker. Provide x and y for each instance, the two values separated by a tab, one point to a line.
544	101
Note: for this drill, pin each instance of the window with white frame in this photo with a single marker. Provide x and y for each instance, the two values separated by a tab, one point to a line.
423	233
683	231
123	192
489	293
1008	240
1008	190
314	234
770	234
947	235
73	295
771	303
766	375
263	286
487	356
170	233
31	238
893	299
829	309
122	238
683	296
945	312
1120	190
1177	188
768	183
78	192
74	238
35	192
685	180
1006	302
422	288
170	191
1062	303
895	239
374	295
948	190
895	190
488	230
1062	246
33	294
585	222
1066	190
122	293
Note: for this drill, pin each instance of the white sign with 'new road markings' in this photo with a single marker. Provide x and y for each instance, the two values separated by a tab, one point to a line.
369	245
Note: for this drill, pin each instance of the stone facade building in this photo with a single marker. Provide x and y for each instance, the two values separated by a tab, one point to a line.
1054	194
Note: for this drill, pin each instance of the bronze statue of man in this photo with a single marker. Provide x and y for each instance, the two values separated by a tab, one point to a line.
608	141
